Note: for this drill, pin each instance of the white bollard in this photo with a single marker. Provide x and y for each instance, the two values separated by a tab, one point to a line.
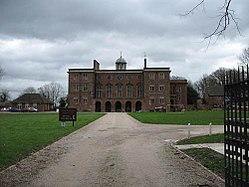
189	130
210	129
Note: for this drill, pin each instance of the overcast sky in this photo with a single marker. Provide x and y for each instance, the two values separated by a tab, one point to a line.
41	39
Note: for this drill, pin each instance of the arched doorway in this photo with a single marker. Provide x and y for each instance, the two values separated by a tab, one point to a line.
138	106
128	106
108	106
118	107
172	105
98	106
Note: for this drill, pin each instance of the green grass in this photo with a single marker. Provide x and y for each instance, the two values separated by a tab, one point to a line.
210	159
181	118
215	138
24	133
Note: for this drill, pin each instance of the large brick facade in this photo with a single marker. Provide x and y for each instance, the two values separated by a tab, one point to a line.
122	90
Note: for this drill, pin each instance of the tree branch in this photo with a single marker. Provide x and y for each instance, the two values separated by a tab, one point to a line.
224	19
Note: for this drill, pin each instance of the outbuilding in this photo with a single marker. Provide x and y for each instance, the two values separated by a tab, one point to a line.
35	100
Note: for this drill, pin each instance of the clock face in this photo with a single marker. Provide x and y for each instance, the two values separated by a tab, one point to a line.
119	77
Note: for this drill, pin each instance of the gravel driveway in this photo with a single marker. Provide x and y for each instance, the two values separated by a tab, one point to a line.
115	150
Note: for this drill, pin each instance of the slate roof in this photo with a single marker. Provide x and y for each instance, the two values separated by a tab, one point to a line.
32	98
216	91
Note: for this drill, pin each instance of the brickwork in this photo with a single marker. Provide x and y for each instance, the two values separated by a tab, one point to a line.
122	90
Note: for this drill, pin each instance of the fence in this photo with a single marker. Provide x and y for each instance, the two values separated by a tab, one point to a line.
236	128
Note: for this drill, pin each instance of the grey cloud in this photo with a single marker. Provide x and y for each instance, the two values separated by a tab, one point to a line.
40	40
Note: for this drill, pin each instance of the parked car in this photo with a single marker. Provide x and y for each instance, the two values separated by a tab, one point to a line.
29	109
33	109
14	110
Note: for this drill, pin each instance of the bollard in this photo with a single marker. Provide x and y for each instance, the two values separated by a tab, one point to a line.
189	130
210	129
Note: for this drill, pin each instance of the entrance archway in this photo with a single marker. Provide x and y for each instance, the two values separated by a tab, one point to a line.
138	106
108	106
118	107
128	106
98	106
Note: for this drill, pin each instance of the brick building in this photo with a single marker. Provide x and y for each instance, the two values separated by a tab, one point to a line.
123	90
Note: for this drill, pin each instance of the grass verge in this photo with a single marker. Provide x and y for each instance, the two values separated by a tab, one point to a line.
181	118
209	158
24	133
215	138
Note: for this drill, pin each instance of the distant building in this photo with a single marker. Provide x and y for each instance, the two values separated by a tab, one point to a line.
122	90
33	100
215	97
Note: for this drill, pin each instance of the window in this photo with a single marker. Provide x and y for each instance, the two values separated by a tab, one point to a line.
161	100
161	87
84	87
85	100
139	91
151	101
161	75
129	77
152	76
119	90
85	76
35	105
109	91
152	88
76	77
109	77
98	77
129	90
178	98
75	100
19	106
179	89
75	88
98	91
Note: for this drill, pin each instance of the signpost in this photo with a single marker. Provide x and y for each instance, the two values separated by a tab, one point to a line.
67	114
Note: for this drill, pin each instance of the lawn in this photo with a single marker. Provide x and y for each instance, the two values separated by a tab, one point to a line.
181	118
209	158
215	138
24	133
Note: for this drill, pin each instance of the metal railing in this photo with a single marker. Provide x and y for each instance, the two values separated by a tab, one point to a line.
236	127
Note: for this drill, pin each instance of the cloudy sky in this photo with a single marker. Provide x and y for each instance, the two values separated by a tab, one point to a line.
41	39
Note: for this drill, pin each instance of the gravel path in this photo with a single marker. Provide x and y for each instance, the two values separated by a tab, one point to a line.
115	150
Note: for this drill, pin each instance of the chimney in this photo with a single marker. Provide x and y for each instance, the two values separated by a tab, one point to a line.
95	65
145	62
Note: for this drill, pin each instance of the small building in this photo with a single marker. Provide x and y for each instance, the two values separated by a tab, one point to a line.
124	90
215	97
33	100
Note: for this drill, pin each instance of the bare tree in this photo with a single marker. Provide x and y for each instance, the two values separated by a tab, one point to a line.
4	95
244	57
52	91
217	78
29	90
225	17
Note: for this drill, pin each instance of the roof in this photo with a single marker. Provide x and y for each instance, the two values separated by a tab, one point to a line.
121	60
216	91
32	98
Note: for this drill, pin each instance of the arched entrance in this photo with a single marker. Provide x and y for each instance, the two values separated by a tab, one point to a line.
138	106
108	106
98	106
128	106
118	107
172	105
